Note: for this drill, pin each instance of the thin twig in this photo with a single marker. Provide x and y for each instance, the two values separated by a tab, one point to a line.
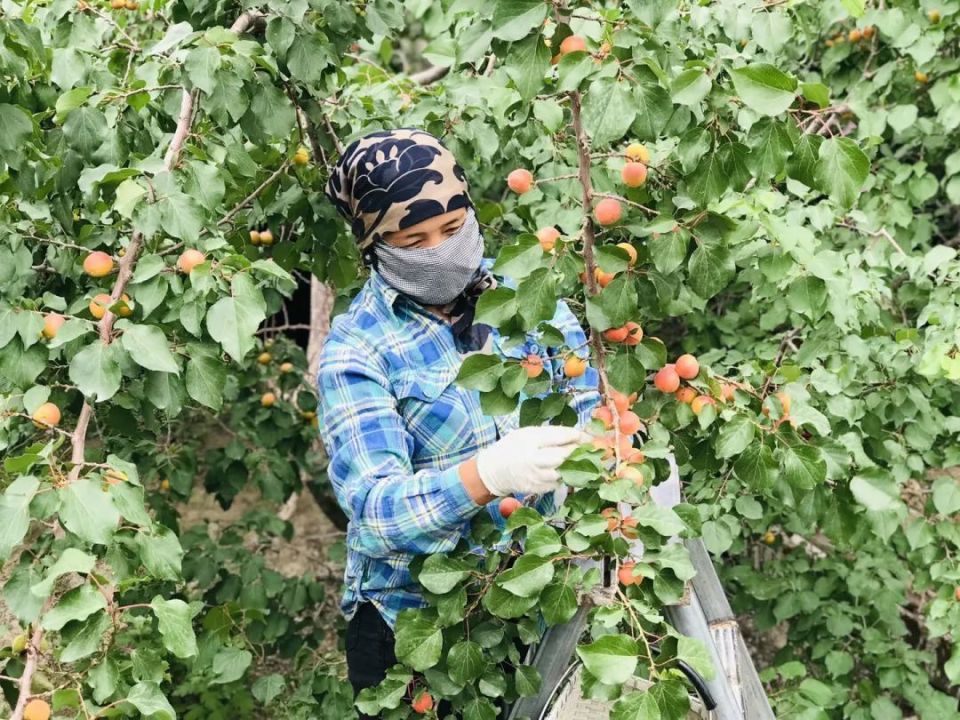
252	196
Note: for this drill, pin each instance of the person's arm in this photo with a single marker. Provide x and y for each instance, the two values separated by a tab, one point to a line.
392	507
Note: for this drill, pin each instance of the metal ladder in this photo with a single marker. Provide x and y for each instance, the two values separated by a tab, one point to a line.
734	693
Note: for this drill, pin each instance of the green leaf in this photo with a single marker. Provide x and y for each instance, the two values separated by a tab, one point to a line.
527	63
201	65
803	467
148	698
233	321
543	541
808	296
558	603
691	86
854	7
608	111
527	680
85	640
71	560
206	376
17	129
88	512
693	652
85	130
537	298
76	604
514	19
496	306
805	161
661	519
480	372
504	604
528	576
229	664
735	437
770	148
147	346
418	640
946	495
816	93
174	620
268	687
756	467
764	88
15	512
614	305
654	108
611	659
626	370
479	708
519	260
160	552
549	113
95	370
711	269
877	492
465	661
441	574
709	180
842	170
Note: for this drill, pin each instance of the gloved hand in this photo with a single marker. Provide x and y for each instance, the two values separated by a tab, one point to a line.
526	460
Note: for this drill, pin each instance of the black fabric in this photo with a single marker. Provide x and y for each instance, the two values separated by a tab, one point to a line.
470	336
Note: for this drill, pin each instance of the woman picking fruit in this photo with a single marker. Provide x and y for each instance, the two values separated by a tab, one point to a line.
412	456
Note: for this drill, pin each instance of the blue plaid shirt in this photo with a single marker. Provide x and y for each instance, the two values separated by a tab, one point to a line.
396	427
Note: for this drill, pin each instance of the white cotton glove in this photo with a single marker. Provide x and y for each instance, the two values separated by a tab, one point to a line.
526	460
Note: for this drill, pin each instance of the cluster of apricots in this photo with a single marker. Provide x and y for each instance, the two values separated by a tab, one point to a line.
573	366
607	211
261	237
855	36
124	4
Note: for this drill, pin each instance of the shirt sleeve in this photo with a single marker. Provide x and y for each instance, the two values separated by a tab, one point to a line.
585	388
391	507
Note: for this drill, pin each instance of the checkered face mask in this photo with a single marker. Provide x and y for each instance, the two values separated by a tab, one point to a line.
434	275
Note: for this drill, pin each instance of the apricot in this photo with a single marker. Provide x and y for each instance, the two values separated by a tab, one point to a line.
634	334
118	4
254	237
625	574
637	152
666	380
934	16
422	703
165	485
631	251
286	367
189	259
855	35
700	402
131	5
124	309
264	358
520	180
301	156
616	335
52	322
607	211
573	43
98	264
266	237
548	238
921	77
605	415
533	364
47	415
603	278
687	367
727	392
869	31
629	423
622	402
630	473
784	403
686	395
633	456
508	505
628	527
37	709
634	174
268	399
574	366
769	537
98	306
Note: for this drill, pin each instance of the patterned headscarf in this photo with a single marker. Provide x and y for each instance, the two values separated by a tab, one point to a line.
393	179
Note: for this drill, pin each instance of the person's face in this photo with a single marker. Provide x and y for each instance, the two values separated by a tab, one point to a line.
428	233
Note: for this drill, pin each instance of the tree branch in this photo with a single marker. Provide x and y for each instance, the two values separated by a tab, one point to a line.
430	75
